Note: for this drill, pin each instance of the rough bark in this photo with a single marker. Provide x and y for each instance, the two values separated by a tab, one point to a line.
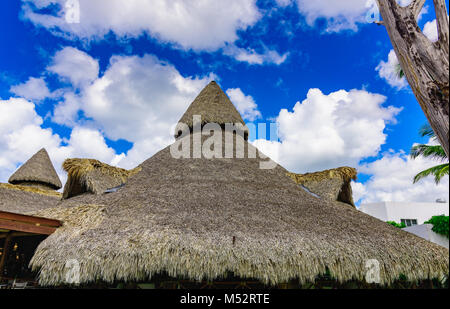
425	64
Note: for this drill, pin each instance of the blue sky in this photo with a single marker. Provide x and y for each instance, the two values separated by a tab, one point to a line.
110	86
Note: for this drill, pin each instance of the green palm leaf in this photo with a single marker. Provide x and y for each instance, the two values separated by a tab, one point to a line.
438	172
399	71
428	151
426	130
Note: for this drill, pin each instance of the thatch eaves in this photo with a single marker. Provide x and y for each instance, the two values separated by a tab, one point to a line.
38	171
214	106
333	184
25	199
90	175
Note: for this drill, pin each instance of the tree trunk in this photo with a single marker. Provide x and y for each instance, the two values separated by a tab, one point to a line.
425	64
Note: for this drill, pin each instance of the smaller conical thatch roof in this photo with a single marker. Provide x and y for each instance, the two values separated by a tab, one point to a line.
214	106
90	175
333	184
37	171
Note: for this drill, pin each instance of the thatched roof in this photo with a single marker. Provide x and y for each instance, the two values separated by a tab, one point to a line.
37	171
209	218
90	175
25	199
332	184
214	106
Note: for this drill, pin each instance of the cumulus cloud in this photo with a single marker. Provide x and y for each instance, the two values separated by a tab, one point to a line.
326	131
389	71
392	180
245	104
430	30
74	66
66	110
23	135
198	25
34	89
252	57
137	99
339	15
283	3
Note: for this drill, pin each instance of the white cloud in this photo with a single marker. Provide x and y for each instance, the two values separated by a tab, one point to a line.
245	104
283	3
33	89
389	71
200	25
66	111
252	57
23	135
75	66
340	15
326	131
138	99
430	30
392	180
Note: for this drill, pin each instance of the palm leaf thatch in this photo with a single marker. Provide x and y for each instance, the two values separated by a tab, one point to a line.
90	175
38	171
207	218
332	184
214	106
24	199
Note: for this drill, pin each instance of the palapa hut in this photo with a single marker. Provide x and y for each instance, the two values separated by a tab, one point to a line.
90	175
333	184
223	218
31	188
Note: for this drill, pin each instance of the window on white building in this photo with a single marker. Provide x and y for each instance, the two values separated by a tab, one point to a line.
409	222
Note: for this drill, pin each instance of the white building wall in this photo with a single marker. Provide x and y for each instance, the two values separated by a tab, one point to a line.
395	211
425	231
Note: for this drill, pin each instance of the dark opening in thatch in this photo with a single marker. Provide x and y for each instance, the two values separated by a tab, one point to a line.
333	184
90	175
38	171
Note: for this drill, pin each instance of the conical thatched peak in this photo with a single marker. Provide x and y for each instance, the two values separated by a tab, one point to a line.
214	106
37	171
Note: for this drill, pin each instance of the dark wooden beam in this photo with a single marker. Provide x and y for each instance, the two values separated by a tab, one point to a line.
17	234
5	253
29	219
26	227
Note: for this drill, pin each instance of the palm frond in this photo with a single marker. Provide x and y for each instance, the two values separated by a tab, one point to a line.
438	172
428	151
426	130
399	71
